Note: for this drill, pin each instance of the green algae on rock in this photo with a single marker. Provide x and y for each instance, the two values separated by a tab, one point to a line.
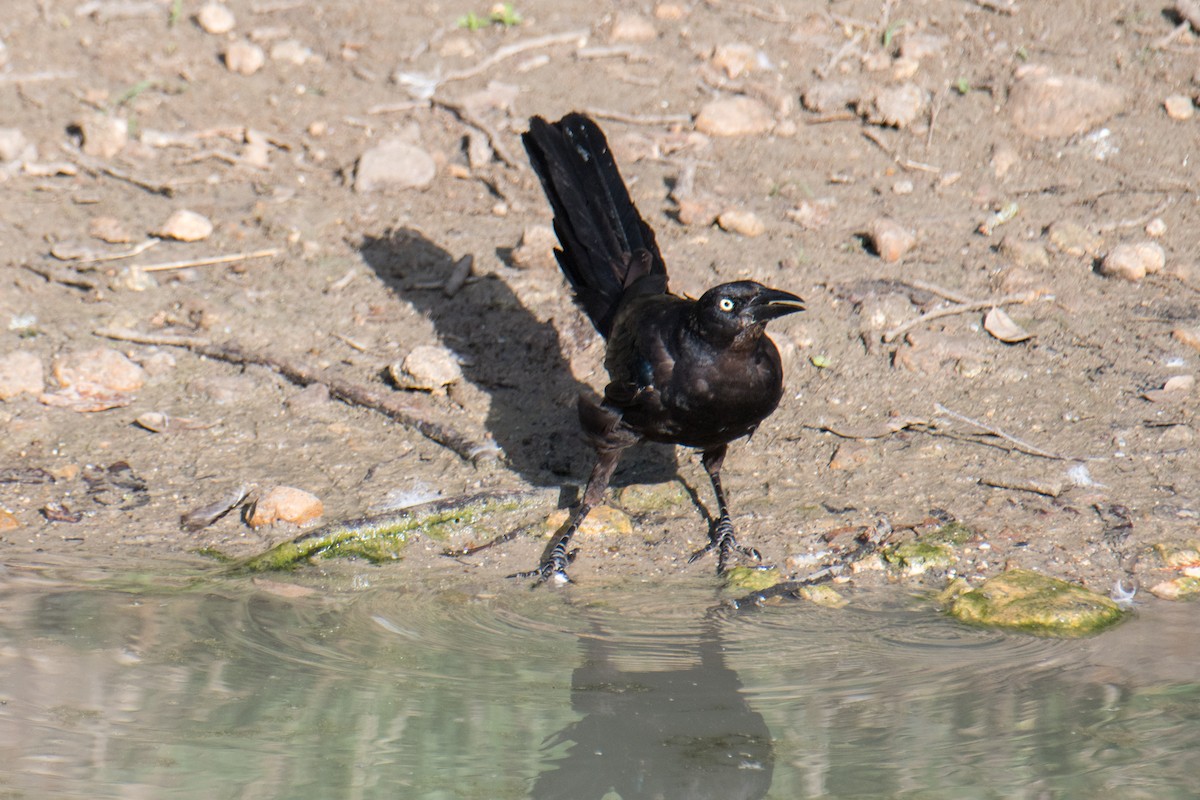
383	537
822	594
751	579
1027	601
919	556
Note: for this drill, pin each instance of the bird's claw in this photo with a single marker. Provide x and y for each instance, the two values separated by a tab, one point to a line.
723	542
552	570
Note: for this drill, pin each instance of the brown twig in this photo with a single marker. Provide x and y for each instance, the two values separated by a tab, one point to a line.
516	48
467	118
1020	444
958	308
97	167
64	275
305	375
204	262
640	119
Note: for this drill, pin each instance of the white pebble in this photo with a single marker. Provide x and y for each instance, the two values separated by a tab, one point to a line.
186	226
734	116
741	222
1180	107
394	163
215	18
244	58
890	239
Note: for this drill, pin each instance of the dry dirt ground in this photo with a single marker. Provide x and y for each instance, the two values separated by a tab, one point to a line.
1055	450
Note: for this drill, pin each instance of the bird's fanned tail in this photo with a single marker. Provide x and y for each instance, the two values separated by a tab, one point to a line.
608	251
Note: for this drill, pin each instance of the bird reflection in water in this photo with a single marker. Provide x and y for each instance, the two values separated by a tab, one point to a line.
659	733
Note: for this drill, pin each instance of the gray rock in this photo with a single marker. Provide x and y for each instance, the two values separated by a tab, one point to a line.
1044	105
394	163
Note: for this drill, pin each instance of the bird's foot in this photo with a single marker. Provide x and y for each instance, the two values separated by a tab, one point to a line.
722	541
552	570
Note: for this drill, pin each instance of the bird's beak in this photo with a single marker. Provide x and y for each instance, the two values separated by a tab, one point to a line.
772	303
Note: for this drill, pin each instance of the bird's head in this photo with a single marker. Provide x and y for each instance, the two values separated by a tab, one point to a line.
740	310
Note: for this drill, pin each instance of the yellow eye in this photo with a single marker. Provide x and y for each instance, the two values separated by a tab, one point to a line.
725	304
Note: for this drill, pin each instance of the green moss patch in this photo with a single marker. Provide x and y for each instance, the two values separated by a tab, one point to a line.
1028	601
383	537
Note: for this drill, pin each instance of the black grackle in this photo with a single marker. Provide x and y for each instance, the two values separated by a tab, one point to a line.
697	373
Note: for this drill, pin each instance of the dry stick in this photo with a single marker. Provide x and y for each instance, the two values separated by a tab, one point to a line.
512	50
933	288
960	308
204	262
304	375
493	136
1020	444
56	273
31	77
1138	221
640	119
141	247
95	167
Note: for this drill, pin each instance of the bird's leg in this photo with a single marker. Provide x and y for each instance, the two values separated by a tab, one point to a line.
721	538
556	557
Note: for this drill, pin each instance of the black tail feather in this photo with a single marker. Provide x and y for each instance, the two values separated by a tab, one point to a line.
608	251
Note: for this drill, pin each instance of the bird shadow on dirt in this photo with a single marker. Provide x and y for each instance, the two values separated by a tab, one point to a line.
515	358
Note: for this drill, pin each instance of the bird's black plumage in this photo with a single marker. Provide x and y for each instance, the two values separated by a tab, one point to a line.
698	373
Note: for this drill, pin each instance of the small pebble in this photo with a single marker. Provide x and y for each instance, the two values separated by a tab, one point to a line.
20	373
215	18
285	504
1156	228
602	521
1180	107
697	209
851	455
670	11
103	135
1074	239
890	239
1004	158
394	163
1024	253
100	369
734	116
736	59
631	27
109	229
186	226
244	58
741	222
923	45
813	214
1132	262
902	187
7	521
1187	336
12	144
1042	104
291	51
898	106
536	249
428	368
829	96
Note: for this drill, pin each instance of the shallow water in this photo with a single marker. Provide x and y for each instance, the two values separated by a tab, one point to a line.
114	685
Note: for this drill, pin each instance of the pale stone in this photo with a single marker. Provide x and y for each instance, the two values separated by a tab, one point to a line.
215	18
100	369
285	504
734	116
186	226
394	163
20	373
244	58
